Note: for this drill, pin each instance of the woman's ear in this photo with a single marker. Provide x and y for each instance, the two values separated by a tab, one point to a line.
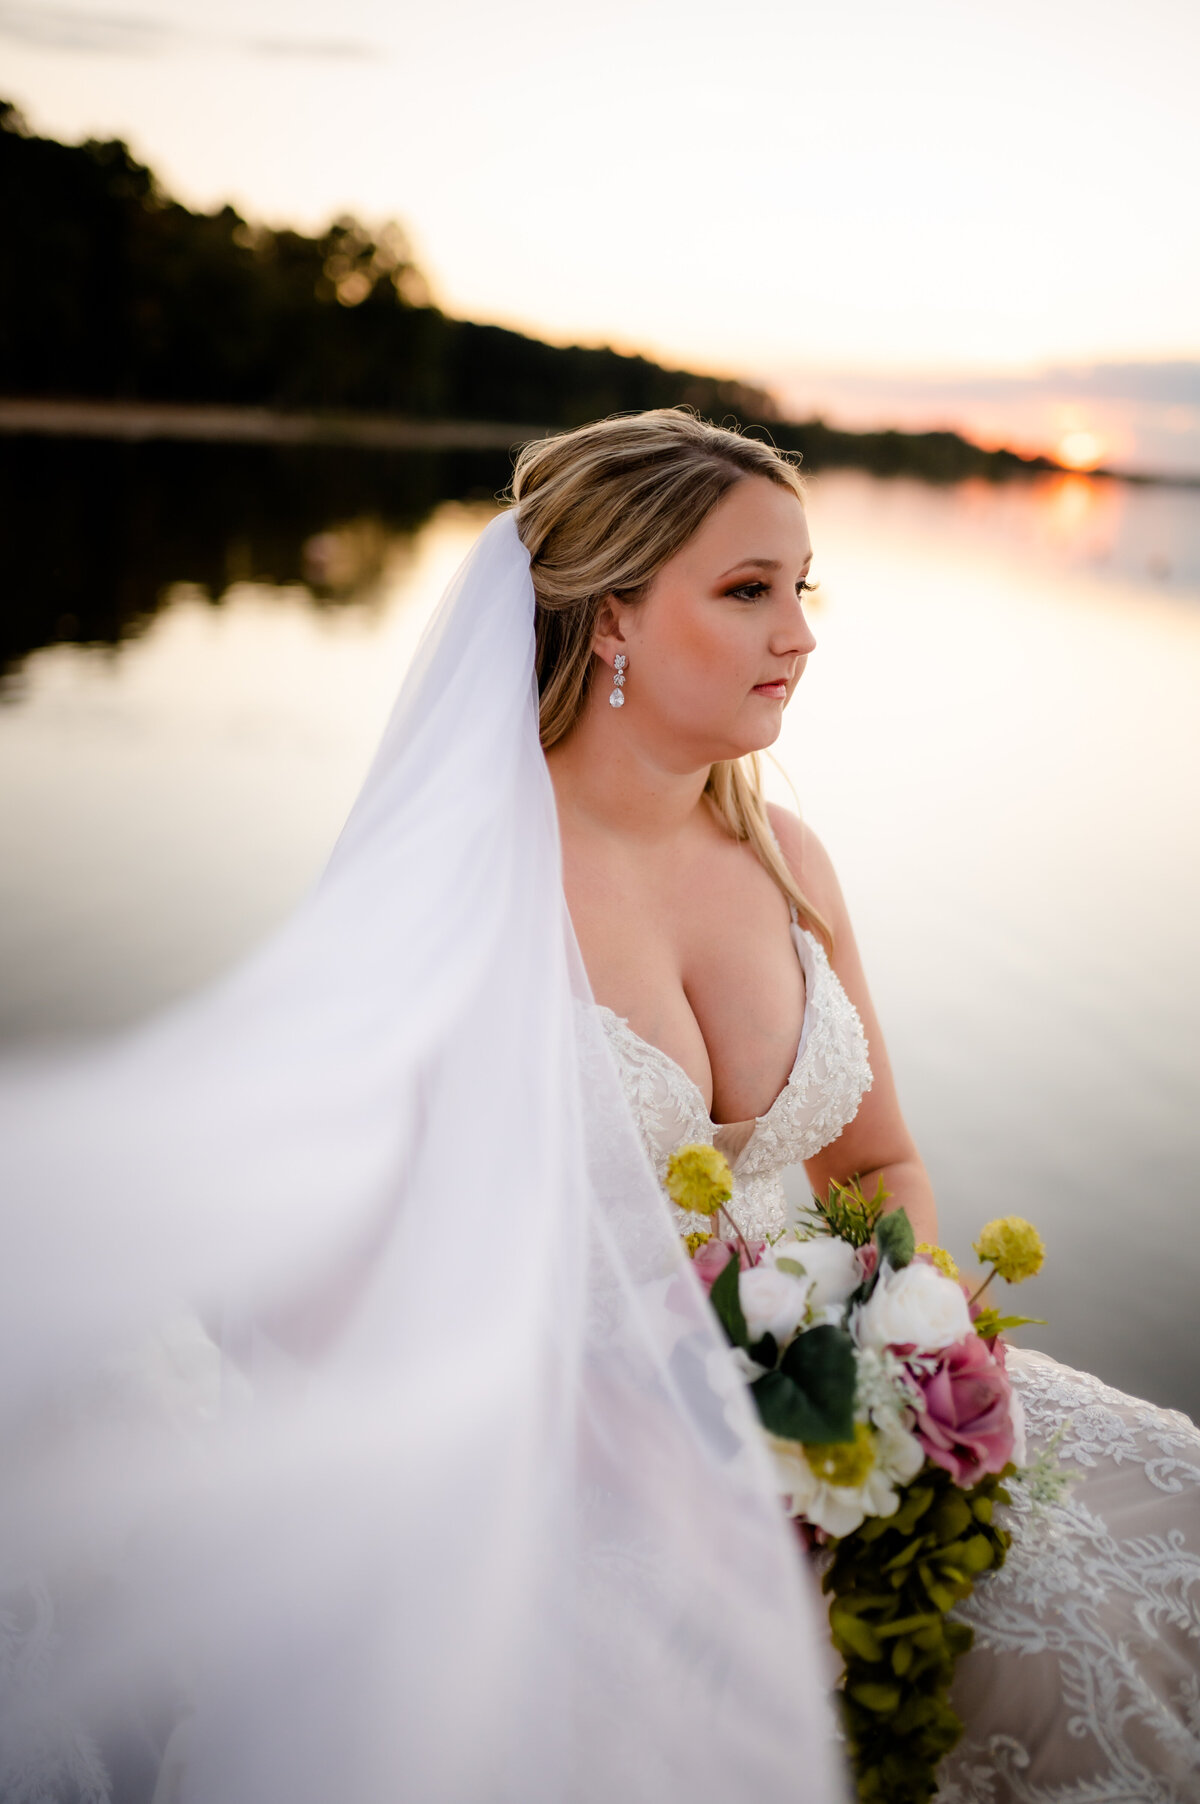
607	637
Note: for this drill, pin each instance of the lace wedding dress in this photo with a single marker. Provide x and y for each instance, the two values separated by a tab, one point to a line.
1083	1684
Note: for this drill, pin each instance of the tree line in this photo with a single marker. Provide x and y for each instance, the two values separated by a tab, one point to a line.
110	289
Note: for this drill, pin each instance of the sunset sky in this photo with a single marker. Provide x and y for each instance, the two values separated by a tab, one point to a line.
938	202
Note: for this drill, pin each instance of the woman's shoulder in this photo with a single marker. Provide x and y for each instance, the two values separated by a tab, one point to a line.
809	862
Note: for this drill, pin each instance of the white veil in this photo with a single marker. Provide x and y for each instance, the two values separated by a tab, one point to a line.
482	1515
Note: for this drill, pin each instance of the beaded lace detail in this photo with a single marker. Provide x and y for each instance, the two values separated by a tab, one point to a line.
828	1080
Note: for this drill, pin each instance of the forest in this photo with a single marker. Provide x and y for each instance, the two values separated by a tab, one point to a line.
111	289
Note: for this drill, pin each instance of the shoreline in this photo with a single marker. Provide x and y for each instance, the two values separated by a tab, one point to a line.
144	422
221	423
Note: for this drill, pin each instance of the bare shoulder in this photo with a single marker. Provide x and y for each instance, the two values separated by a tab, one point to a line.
809	863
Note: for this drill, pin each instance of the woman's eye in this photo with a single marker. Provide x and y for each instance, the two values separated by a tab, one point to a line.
752	591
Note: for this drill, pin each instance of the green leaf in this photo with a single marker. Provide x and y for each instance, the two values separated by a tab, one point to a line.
851	1635
895	1239
951	1516
906	1625
785	1410
725	1300
977	1554
792	1266
822	1365
882	1698
989	1323
916	1501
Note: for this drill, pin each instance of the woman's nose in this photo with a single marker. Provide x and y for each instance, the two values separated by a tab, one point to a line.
796	638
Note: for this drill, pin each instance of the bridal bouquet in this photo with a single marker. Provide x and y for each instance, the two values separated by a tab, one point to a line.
881	1384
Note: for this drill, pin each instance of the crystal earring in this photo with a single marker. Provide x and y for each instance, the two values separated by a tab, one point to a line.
617	698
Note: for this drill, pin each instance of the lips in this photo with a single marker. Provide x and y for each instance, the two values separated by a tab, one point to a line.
776	691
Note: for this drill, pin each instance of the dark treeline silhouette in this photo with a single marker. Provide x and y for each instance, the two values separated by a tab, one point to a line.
109	289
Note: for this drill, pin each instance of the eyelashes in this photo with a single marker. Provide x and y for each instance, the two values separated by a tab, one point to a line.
751	591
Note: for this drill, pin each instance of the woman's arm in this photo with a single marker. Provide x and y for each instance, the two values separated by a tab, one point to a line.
876	1144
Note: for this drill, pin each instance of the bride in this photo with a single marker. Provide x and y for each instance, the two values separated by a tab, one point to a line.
670	561
479	1511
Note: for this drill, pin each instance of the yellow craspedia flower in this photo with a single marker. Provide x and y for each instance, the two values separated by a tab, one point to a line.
1013	1246
699	1179
693	1243
944	1261
844	1463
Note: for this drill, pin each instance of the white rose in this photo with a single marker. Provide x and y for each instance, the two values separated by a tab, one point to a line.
831	1264
917	1306
773	1302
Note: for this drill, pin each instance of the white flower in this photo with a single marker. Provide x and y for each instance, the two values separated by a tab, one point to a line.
773	1302
913	1307
839	1508
885	1385
831	1264
900	1454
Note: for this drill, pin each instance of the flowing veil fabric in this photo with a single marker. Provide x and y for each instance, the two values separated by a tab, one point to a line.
480	1512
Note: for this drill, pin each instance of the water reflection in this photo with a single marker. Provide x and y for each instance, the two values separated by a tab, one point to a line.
996	736
95	535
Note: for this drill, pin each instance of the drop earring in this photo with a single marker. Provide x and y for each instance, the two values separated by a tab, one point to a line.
617	698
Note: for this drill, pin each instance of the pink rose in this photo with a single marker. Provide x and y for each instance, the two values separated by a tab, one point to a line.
868	1259
711	1259
965	1416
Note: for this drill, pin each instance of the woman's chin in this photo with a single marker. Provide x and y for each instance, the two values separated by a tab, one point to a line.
763	727
751	739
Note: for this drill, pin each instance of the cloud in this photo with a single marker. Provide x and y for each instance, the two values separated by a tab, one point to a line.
70	28
79	30
1169	384
1166	384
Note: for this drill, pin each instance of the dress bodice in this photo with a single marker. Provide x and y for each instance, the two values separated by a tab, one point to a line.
828	1080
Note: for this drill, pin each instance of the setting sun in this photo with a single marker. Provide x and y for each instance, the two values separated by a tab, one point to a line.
1079	450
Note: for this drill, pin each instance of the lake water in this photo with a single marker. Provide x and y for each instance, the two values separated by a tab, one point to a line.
998	737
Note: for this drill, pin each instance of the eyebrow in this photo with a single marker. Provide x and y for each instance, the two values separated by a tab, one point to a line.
757	563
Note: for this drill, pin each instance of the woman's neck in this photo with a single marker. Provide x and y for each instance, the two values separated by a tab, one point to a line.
605	781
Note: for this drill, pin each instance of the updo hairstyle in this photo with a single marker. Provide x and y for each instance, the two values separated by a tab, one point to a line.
600	510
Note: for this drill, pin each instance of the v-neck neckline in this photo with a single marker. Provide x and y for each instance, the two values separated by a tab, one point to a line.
805	946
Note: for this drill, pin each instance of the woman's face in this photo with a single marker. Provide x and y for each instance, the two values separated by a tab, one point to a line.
719	640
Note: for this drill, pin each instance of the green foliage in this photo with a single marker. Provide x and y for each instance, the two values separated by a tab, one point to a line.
847	1213
895	1239
989	1323
725	1300
810	1397
893	1582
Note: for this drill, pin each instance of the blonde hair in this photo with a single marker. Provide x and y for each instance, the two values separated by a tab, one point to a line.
600	510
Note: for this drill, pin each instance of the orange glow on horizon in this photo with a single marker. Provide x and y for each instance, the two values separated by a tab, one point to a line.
1079	449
